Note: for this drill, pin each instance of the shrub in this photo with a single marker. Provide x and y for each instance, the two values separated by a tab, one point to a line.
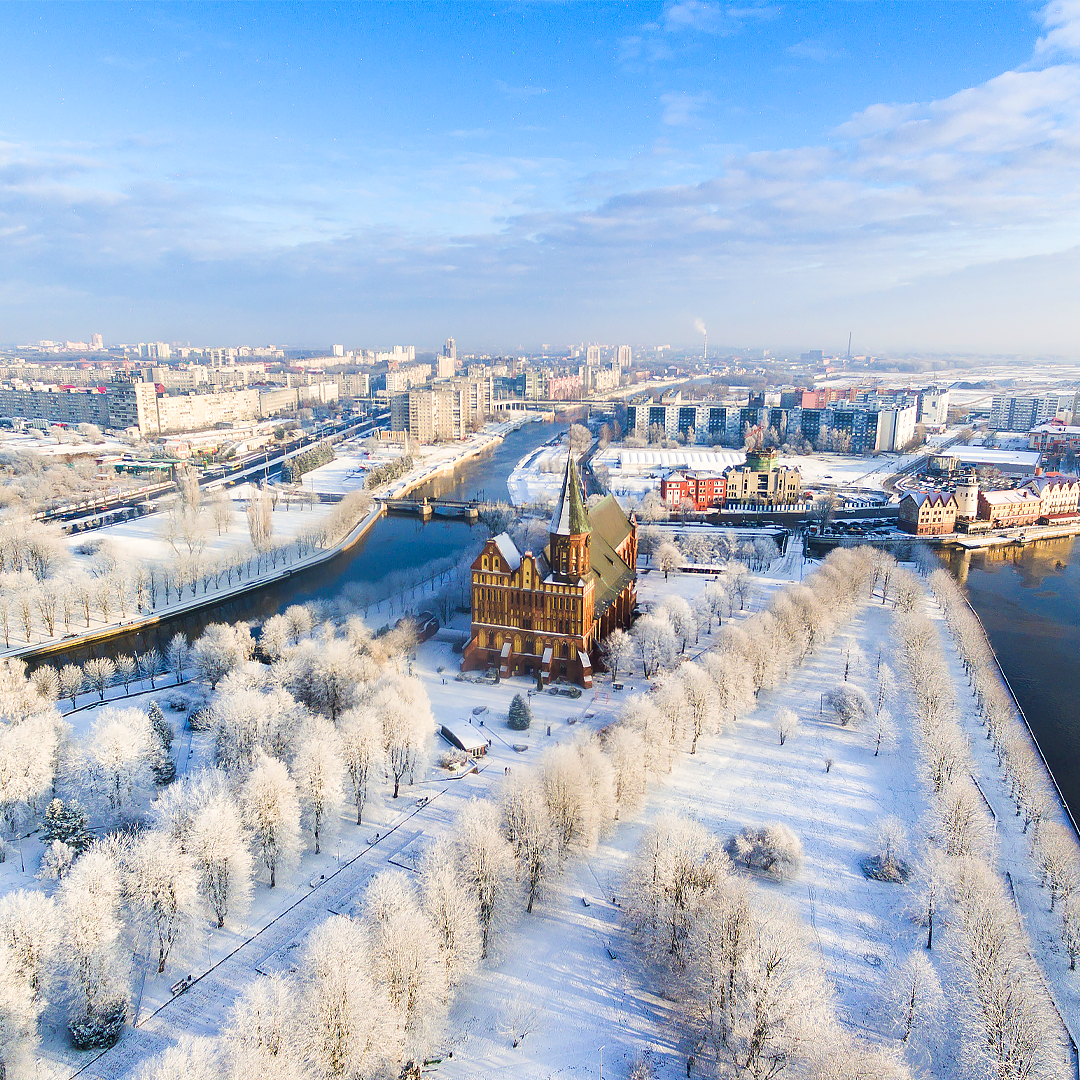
520	714
101	1029
770	849
850	704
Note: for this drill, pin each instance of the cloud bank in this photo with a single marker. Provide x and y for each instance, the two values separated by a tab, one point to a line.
949	224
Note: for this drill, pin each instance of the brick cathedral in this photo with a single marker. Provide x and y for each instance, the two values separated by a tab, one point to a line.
547	613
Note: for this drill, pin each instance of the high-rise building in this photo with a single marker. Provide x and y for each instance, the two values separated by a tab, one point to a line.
445	366
339	350
450	348
592	356
624	356
97	342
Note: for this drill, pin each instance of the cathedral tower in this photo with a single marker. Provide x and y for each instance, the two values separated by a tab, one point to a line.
569	529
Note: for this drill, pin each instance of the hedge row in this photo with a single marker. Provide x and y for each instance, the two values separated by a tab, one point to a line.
295	467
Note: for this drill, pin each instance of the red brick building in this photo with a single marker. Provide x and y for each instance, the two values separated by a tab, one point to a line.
1008	508
704	490
927	513
546	614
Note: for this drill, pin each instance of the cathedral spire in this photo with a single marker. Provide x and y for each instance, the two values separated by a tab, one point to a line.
569	518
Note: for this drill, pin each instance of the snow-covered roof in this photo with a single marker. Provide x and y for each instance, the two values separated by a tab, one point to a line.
931	497
1010	498
508	550
464	736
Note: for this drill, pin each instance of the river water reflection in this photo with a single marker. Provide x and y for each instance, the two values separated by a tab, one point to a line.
1029	601
394	543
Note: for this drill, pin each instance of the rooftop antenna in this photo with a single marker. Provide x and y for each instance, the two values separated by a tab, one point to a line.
849	346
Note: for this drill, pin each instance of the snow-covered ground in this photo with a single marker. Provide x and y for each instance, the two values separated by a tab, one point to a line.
572	961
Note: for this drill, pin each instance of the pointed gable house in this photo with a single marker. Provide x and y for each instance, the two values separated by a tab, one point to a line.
546	614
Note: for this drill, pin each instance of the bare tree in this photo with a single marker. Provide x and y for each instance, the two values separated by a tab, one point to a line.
785	724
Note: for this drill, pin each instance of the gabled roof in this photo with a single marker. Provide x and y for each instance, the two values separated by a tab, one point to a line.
569	518
931	498
508	550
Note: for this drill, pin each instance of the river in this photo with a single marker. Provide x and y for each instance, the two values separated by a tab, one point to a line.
393	544
1029	601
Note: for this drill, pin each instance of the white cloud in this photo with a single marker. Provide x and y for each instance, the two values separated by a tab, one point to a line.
682	109
1061	18
924	209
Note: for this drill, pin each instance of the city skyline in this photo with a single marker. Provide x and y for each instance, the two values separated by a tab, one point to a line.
522	174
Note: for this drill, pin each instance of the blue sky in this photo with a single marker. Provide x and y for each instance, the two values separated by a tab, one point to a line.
519	174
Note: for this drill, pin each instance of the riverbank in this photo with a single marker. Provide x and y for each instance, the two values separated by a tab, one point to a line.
441	462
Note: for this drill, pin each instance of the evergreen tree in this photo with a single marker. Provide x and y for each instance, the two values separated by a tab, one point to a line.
66	822
520	714
162	765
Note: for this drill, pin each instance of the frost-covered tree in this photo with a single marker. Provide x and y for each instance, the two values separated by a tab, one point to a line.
733	679
529	828
98	674
319	773
18	1019
29	931
272	812
248	718
626	751
677	863
361	737
407	723
94	966
179	654
452	909
265	1037
346	1025
151	665
219	650
681	616
915	996
126	669
850	704
72	681
326	674
656	643
487	865
617	651
754	991
668	557
190	1059
201	814
160	884
785	724
27	753
404	957
116	758
702	703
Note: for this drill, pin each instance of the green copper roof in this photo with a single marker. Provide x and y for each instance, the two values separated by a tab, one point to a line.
570	518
